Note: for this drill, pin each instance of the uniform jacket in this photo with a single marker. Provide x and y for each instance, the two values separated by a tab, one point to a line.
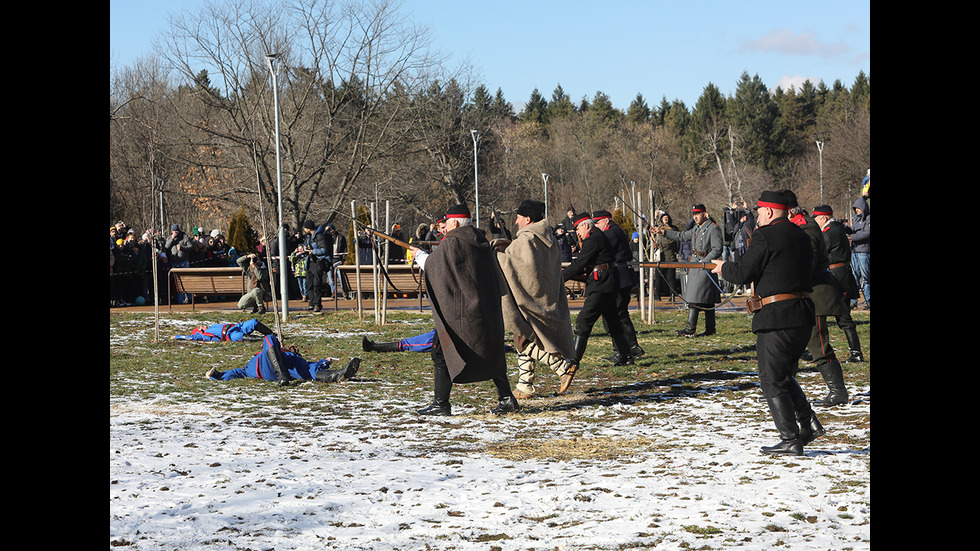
535	308
706	245
827	294
596	251
623	253
777	261
839	252
465	293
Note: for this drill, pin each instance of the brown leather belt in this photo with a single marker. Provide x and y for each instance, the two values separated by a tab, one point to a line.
606	266
784	296
838	265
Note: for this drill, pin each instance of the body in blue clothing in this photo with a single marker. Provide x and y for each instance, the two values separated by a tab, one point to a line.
225	331
260	366
418	343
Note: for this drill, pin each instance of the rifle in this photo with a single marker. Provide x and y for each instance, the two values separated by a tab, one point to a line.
696	265
395	240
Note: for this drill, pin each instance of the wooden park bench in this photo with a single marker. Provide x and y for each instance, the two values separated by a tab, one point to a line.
211	281
404	280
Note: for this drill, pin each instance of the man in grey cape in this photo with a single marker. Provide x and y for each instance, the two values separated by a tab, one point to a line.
535	307
464	290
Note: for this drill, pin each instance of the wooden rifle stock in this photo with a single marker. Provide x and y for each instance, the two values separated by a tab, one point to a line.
394	240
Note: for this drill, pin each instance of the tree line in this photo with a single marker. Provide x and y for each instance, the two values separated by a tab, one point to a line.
369	113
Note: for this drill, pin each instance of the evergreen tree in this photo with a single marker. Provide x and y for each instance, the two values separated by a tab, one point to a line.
240	233
536	109
561	105
753	114
639	111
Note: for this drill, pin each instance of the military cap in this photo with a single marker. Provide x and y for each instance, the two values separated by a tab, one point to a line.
532	209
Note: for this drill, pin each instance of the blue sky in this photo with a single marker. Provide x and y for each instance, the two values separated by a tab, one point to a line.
658	48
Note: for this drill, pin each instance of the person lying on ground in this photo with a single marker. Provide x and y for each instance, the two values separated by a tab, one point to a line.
236	332
274	363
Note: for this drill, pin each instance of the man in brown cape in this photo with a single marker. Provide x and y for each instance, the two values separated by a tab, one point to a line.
535	306
464	290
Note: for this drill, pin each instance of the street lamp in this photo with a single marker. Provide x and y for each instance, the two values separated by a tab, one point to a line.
544	176
272	60
475	134
820	149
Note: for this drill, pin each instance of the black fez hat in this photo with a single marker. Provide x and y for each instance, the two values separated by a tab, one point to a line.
824	210
698	208
774	200
458	211
532	209
309	225
600	214
579	218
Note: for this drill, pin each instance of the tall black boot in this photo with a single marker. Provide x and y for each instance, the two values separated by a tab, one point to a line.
275	360
709	323
335	375
784	416
810	427
692	322
833	375
442	385
622	356
853	344
371	346
580	343
261	329
506	402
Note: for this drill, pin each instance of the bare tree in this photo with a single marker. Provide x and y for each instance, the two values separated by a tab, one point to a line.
341	70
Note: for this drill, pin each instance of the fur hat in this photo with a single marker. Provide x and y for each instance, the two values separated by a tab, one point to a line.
532	209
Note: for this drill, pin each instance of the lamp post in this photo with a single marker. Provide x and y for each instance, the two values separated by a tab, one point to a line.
475	134
820	149
544	176
272	60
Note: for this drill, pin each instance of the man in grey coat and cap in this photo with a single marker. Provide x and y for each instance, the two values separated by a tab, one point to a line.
701	292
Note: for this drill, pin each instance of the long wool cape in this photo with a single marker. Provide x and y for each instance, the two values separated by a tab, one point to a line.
535	307
464	290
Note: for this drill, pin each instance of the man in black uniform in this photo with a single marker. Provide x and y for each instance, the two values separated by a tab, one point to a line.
778	263
839	256
828	300
623	254
595	261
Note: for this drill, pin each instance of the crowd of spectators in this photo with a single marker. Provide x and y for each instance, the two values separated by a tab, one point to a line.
131	259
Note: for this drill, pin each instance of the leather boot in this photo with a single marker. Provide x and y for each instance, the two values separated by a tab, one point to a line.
336	375
622	356
784	416
709	323
810	427
580	343
275	360
371	346
442	384
833	375
853	344
692	323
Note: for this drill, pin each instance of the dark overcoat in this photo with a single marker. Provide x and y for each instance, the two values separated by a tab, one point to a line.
465	293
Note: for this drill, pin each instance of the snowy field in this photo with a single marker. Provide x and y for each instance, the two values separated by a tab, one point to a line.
666	471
